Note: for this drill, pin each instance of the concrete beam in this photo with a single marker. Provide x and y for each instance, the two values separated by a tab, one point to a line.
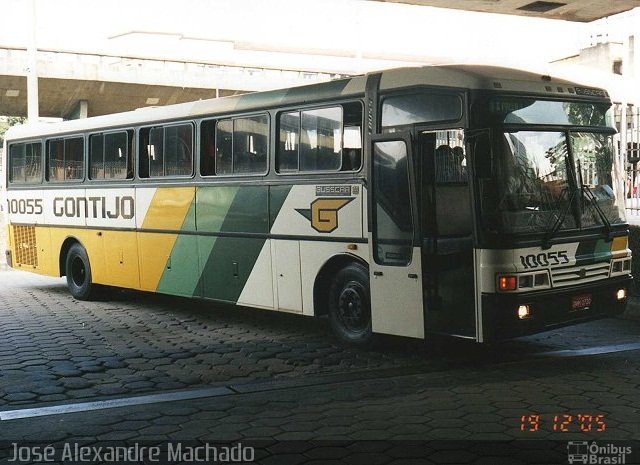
568	10
59	97
112	84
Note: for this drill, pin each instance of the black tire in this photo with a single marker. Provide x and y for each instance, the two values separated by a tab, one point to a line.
78	272
350	305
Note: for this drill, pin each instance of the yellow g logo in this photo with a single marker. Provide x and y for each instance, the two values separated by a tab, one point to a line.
323	213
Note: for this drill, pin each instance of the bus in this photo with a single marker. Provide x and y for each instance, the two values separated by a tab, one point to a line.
473	201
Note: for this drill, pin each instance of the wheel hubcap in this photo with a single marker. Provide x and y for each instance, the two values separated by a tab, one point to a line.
78	271
353	306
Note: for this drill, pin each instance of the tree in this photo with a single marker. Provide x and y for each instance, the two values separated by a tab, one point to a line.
7	122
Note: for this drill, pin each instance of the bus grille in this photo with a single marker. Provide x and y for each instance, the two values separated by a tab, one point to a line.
579	274
24	238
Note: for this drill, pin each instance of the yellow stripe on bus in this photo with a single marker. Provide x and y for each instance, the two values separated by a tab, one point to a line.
167	212
619	246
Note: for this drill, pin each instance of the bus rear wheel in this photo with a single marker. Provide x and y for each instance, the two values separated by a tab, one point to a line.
350	305
78	272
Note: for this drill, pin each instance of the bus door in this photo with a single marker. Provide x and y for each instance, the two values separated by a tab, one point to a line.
396	270
446	218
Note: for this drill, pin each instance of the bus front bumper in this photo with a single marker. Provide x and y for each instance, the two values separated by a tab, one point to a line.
551	308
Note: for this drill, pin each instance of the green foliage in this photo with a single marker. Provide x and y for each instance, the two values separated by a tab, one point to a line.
7	122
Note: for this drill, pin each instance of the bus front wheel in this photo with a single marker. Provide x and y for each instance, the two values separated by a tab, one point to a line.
78	273
350	305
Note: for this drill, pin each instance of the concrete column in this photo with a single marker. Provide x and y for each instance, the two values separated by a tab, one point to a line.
81	110
33	112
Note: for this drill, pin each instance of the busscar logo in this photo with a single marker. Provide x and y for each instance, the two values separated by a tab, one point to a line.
323	213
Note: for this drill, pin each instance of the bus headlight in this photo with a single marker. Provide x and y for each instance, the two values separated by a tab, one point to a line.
524	312
621	294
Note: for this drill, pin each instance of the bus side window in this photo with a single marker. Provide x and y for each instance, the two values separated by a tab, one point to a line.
207	148
178	150
110	155
55	160
242	145
352	137
224	147
250	144
74	158
17	162
96	156
144	148
322	139
156	152
65	159
25	162
289	139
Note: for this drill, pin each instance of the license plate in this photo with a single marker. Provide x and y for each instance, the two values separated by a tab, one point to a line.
580	302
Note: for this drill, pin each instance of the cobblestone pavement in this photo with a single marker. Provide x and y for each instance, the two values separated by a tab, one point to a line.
283	377
54	348
482	405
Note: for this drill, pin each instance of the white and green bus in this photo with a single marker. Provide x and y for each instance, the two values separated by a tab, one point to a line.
473	201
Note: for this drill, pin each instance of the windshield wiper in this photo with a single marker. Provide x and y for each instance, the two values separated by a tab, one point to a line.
588	193
546	240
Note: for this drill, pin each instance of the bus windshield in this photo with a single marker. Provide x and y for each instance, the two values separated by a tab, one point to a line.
548	181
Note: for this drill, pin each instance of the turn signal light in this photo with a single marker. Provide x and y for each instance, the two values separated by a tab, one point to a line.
507	283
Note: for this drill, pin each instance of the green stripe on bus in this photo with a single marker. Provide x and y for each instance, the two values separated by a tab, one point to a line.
231	259
219	267
181	274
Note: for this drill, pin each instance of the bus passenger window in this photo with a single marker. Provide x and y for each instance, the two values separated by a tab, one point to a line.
144	149
65	158
55	160
156	152
96	156
321	139
25	162
352	152
74	158
242	145
178	153
352	137
287	159
207	148
109	156
166	151
117	155
224	147
250	144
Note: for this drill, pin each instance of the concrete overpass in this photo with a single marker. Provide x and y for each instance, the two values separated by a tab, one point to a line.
75	85
568	10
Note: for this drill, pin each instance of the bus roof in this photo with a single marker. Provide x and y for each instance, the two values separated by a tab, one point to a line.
447	76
